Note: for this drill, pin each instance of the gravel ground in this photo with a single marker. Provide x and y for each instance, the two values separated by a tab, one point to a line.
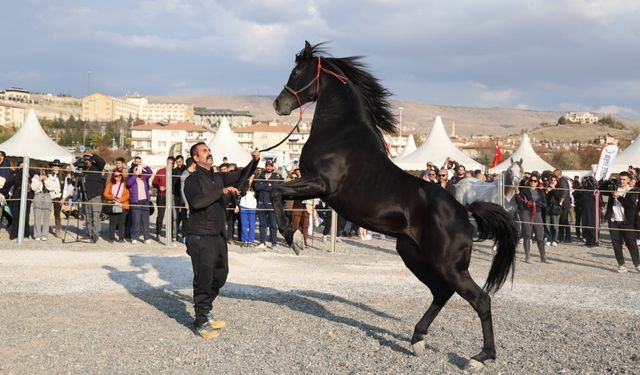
105	309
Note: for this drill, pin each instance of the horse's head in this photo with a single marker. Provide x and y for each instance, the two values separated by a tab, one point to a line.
514	174
301	86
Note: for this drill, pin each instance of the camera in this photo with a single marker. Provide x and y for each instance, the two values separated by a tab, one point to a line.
79	163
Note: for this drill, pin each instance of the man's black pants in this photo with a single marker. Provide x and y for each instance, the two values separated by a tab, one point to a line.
564	234
210	262
618	231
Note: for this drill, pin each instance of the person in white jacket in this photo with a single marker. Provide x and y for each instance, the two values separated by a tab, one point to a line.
44	188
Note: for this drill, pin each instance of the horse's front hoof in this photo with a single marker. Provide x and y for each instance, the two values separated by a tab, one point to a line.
474	365
419	348
297	245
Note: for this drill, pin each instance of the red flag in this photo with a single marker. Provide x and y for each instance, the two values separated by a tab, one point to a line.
497	157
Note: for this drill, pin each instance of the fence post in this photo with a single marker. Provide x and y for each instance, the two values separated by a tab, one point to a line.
334	230
168	215
500	186
23	199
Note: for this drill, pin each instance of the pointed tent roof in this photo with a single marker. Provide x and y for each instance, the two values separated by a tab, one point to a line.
436	149
408	148
224	143
628	156
31	140
530	160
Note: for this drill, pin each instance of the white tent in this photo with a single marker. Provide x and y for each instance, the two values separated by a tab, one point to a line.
408	148
530	160
224	143
31	140
436	149
628	156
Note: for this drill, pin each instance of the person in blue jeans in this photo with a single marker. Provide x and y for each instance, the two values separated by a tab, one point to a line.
263	186
248	205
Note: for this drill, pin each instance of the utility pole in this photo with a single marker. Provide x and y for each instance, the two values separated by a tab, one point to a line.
400	109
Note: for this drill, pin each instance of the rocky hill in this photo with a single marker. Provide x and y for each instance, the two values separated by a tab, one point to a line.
416	117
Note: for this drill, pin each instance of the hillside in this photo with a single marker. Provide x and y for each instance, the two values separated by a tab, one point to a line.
581	132
416	117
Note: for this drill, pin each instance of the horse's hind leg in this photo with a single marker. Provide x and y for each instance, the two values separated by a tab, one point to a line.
441	294
409	252
464	285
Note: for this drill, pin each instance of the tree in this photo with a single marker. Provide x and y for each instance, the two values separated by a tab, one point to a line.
566	159
562	120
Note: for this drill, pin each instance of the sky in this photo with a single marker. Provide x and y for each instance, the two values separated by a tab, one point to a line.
568	55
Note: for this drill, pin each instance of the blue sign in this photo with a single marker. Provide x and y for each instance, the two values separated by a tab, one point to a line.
81	148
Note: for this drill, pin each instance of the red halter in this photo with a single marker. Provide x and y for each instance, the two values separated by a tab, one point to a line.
295	93
315	80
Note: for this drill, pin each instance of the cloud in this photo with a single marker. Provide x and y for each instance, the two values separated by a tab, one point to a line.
616	110
547	54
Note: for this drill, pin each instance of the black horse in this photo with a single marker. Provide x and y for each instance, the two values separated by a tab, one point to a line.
345	163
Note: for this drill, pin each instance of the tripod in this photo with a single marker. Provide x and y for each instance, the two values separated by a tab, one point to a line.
78	183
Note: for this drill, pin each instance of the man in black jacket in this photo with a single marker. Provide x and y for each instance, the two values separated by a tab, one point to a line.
93	183
621	214
206	244
267	217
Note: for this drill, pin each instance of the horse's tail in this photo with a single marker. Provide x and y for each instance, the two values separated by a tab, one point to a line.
494	222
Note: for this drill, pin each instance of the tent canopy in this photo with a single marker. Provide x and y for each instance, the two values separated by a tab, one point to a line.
437	148
408	148
530	160
224	143
628	156
31	140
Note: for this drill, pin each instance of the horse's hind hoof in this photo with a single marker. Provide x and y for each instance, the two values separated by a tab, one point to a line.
419	348
298	242
474	365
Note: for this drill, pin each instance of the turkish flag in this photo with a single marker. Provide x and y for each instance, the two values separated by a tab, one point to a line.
497	157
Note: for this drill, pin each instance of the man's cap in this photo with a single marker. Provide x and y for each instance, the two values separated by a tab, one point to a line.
55	163
268	162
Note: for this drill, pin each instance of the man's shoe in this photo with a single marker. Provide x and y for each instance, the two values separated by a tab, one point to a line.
215	324
261	246
638	268
622	269
206	331
134	241
554	243
547	243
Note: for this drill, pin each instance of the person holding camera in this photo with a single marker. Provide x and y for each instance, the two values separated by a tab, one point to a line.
622	208
93	186
206	243
140	199
117	195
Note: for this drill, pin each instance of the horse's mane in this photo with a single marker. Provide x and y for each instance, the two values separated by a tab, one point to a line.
372	94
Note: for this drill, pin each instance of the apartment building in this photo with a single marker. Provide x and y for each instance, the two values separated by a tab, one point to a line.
157	138
11	116
101	107
581	117
263	135
210	118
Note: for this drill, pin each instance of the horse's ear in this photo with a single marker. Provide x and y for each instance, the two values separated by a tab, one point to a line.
520	161
510	160
307	50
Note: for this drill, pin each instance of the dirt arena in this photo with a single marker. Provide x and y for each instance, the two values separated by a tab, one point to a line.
112	309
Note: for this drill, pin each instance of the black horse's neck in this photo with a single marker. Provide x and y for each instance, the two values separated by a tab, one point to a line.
341	111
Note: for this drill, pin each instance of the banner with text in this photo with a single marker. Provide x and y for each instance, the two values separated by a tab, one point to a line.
606	162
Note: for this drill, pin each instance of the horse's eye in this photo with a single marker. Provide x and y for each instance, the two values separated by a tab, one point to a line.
297	71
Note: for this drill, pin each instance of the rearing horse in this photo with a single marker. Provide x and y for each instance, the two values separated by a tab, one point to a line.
345	163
